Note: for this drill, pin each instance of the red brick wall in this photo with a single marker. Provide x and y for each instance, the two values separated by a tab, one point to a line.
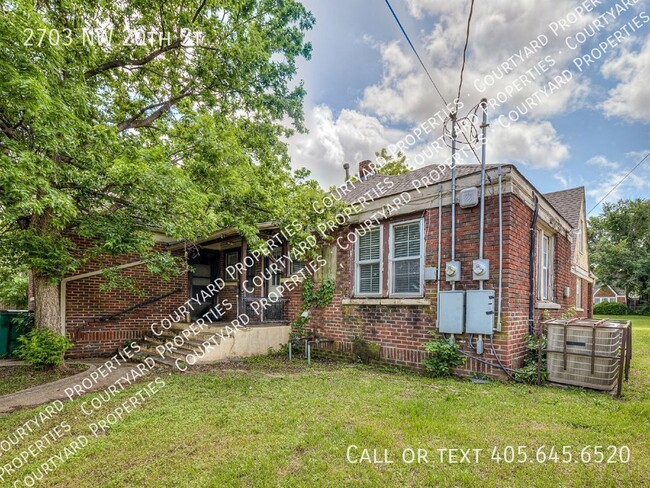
401	331
86	304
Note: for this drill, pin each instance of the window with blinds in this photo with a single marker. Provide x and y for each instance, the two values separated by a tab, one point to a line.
406	258
368	263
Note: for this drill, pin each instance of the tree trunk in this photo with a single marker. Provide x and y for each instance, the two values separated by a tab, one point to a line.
47	312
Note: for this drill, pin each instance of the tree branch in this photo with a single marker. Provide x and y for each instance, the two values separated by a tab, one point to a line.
118	63
135	123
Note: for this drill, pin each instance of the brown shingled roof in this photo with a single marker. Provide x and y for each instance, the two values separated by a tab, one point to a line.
568	203
404	182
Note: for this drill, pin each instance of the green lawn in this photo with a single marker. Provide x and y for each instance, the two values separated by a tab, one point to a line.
267	423
16	378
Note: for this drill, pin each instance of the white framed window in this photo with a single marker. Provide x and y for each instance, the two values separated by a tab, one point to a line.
579	293
604	299
545	267
368	263
406	256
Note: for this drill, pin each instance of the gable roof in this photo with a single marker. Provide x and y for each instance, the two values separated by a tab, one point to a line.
404	182
568	203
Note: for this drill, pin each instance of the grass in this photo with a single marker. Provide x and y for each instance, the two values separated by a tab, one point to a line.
269	423
16	378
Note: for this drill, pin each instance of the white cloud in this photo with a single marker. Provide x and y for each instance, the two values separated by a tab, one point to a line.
501	32
603	162
528	143
632	187
351	137
631	97
561	179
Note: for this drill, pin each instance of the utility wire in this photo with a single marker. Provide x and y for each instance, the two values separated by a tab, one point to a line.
462	69
617	184
408	39
415	50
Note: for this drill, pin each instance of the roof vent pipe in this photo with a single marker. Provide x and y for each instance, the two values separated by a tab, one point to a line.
346	167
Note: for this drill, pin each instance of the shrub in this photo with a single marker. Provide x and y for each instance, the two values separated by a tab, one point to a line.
43	348
366	351
610	308
23	322
443	357
528	372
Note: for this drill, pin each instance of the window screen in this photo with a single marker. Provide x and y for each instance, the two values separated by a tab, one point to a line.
369	262
406	259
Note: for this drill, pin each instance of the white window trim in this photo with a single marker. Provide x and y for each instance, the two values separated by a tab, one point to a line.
357	275
579	294
390	259
550	278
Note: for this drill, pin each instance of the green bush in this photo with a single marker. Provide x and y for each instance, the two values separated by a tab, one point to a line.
610	308
23	322
528	372
443	358
43	348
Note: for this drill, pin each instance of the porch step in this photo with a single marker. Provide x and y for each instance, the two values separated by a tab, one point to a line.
190	344
150	344
142	356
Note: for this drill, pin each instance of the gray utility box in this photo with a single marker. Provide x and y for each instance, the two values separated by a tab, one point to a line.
479	316
452	312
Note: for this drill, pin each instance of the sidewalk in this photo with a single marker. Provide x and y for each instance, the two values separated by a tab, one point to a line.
48	392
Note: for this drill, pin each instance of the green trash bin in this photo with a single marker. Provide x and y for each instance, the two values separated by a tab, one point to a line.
9	333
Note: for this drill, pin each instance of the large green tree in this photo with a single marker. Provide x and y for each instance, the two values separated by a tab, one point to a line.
121	119
619	244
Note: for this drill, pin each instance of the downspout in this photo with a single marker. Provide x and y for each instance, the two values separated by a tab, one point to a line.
65	281
500	253
439	253
531	270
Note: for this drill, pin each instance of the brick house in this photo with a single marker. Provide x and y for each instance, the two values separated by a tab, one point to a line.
385	263
605	293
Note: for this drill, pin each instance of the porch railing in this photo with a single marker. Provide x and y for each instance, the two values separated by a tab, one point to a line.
261	310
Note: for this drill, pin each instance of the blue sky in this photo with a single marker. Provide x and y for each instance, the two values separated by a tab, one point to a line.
366	89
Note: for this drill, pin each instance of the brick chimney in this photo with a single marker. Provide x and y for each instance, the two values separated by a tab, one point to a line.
366	169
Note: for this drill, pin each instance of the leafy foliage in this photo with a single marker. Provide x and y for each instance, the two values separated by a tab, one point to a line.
311	296
391	164
23	322
528	372
43	348
619	244
444	356
610	308
115	141
13	288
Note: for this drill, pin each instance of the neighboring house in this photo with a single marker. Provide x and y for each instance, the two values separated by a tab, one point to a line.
605	293
386	289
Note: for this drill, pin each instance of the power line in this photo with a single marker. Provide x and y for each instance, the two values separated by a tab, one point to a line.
415	50
462	69
622	180
408	39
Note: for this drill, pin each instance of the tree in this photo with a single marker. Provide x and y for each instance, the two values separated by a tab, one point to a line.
120	119
619	245
391	164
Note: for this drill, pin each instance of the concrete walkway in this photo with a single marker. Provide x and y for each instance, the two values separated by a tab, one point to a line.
48	392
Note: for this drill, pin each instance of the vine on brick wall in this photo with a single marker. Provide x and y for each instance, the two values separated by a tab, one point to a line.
312	297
